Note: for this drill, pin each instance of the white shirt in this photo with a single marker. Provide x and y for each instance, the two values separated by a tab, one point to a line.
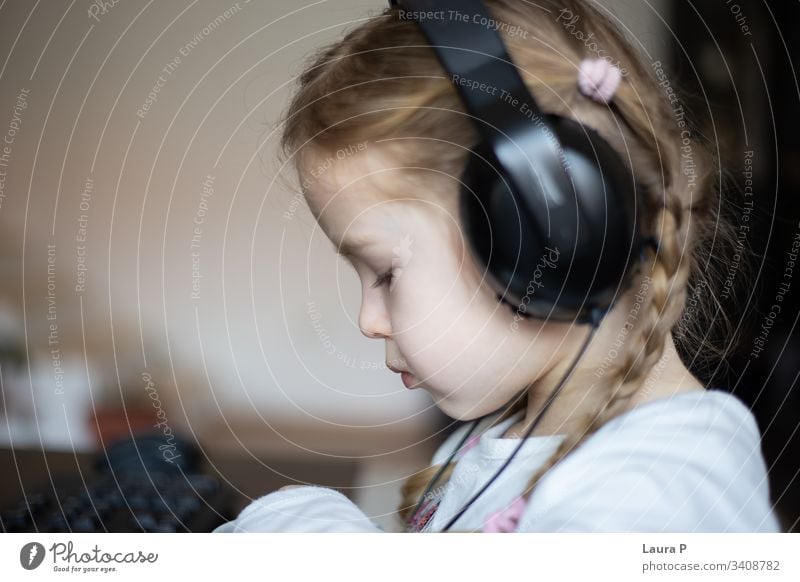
688	463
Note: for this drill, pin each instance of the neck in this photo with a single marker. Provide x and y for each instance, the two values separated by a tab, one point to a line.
581	395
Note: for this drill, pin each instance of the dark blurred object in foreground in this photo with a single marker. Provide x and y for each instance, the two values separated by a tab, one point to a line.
136	485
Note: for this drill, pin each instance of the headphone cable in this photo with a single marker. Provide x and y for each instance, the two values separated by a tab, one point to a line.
435	479
596	317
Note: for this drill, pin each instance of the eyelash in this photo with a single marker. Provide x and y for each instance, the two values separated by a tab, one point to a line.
385	278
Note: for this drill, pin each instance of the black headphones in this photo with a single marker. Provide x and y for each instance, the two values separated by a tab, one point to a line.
548	206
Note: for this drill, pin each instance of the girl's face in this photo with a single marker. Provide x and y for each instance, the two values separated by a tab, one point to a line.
423	294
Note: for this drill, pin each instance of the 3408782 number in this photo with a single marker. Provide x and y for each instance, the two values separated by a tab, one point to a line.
755	565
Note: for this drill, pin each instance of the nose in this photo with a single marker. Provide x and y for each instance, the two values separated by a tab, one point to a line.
373	319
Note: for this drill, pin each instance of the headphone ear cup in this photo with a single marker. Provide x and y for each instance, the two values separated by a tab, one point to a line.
590	266
519	263
608	237
498	230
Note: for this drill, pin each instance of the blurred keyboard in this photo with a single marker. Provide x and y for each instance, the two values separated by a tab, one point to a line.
133	487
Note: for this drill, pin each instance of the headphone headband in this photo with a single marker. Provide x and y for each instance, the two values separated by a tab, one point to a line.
473	56
536	186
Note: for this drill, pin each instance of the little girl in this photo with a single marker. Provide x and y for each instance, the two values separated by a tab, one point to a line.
633	441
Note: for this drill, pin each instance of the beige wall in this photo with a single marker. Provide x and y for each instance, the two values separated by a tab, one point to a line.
245	342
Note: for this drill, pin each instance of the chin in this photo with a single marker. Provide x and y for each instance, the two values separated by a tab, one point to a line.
457	412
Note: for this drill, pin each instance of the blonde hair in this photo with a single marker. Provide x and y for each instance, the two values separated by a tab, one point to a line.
382	80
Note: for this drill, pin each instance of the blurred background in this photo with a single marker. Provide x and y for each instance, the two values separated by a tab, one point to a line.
154	269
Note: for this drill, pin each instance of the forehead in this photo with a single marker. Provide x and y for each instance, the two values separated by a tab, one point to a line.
348	186
354	222
355	171
362	194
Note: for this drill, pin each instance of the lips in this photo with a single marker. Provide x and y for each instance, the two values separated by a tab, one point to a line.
409	381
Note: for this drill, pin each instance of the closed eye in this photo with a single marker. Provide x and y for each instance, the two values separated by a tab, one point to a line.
385	278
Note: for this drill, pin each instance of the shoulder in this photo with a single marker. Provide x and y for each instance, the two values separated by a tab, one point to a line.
714	416
690	462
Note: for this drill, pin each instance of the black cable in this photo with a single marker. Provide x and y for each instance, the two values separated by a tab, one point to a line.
597	316
444	466
457	448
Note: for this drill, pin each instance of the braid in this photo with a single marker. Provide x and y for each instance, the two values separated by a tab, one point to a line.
415	484
669	275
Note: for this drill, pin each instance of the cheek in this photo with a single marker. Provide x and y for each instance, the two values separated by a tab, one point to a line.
438	307
441	290
444	316
452	344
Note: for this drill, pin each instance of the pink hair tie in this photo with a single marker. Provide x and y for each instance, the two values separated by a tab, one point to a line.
598	79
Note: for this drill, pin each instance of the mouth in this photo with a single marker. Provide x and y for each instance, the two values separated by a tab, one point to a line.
409	381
